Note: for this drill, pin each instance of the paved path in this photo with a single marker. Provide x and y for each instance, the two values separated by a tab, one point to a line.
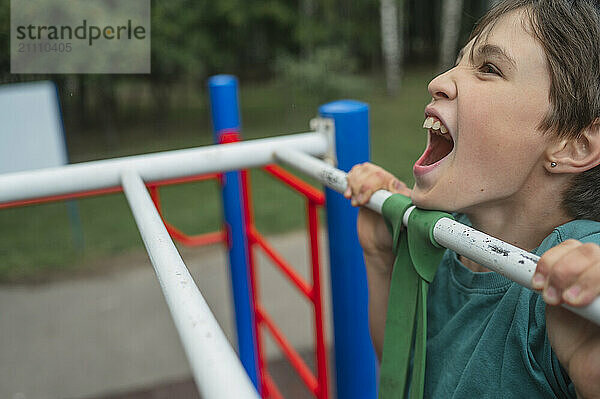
113	333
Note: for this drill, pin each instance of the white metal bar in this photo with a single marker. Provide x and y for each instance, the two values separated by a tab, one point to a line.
497	255
217	370
325	173
95	175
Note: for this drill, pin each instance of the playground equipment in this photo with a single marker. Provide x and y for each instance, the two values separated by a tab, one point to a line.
341	135
355	359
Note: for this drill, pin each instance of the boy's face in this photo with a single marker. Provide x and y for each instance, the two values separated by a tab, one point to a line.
492	107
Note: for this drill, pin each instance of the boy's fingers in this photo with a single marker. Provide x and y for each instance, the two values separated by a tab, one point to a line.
399	187
356	178
377	179
567	269
564	274
549	259
364	179
585	289
354	181
366	191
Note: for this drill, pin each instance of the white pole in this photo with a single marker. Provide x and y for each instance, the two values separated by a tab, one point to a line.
326	174
217	370
499	256
95	175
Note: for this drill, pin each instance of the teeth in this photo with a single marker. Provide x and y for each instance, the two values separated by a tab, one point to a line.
435	124
428	123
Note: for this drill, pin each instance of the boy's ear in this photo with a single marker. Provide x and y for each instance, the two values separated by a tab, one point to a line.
575	155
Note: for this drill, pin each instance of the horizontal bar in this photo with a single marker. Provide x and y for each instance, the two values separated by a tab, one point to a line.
326	174
310	192
106	173
186	179
503	258
284	266
217	370
497	255
62	197
104	191
293	356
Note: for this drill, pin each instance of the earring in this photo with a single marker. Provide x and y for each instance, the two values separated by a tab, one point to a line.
553	164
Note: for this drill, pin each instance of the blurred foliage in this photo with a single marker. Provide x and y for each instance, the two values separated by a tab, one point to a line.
319	47
326	73
194	39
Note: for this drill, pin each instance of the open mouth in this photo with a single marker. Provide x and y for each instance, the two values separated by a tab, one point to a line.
439	145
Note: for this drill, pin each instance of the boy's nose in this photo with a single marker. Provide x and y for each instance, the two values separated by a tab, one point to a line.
443	86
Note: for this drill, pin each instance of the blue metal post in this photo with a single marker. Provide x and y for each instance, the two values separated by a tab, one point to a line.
225	117
355	361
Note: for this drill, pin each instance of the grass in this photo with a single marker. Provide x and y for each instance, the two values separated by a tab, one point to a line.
37	241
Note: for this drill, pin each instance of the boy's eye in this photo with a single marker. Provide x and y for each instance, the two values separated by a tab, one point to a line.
489	69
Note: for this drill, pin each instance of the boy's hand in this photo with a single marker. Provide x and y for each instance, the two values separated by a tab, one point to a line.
363	181
366	178
570	273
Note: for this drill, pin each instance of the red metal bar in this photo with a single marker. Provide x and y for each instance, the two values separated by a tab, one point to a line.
321	355
154	194
272	390
295	360
317	385
188	179
294	277
178	235
310	192
198	239
227	136
265	390
61	197
103	191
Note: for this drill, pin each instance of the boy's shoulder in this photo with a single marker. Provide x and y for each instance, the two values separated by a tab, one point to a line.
582	230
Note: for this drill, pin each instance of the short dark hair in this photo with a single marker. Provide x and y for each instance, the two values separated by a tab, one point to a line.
569	32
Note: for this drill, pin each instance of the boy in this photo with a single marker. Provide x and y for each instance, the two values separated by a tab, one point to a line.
514	145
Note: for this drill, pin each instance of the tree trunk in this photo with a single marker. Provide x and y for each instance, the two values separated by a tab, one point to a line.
392	27
307	11
451	22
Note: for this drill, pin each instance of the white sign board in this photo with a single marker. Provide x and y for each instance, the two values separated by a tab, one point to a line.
31	129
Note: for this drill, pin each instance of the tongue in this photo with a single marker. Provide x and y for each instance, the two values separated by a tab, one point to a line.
438	149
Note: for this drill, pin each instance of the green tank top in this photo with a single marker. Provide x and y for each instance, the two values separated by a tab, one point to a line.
486	336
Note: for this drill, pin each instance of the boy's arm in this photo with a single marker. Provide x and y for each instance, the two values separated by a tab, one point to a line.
376	241
379	275
570	273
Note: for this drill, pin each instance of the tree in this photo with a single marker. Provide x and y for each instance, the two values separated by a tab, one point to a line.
451	23
392	28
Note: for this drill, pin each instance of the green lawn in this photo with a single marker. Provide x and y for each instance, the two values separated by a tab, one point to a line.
37	242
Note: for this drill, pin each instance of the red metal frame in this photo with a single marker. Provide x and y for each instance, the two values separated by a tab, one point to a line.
178	235
317	385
